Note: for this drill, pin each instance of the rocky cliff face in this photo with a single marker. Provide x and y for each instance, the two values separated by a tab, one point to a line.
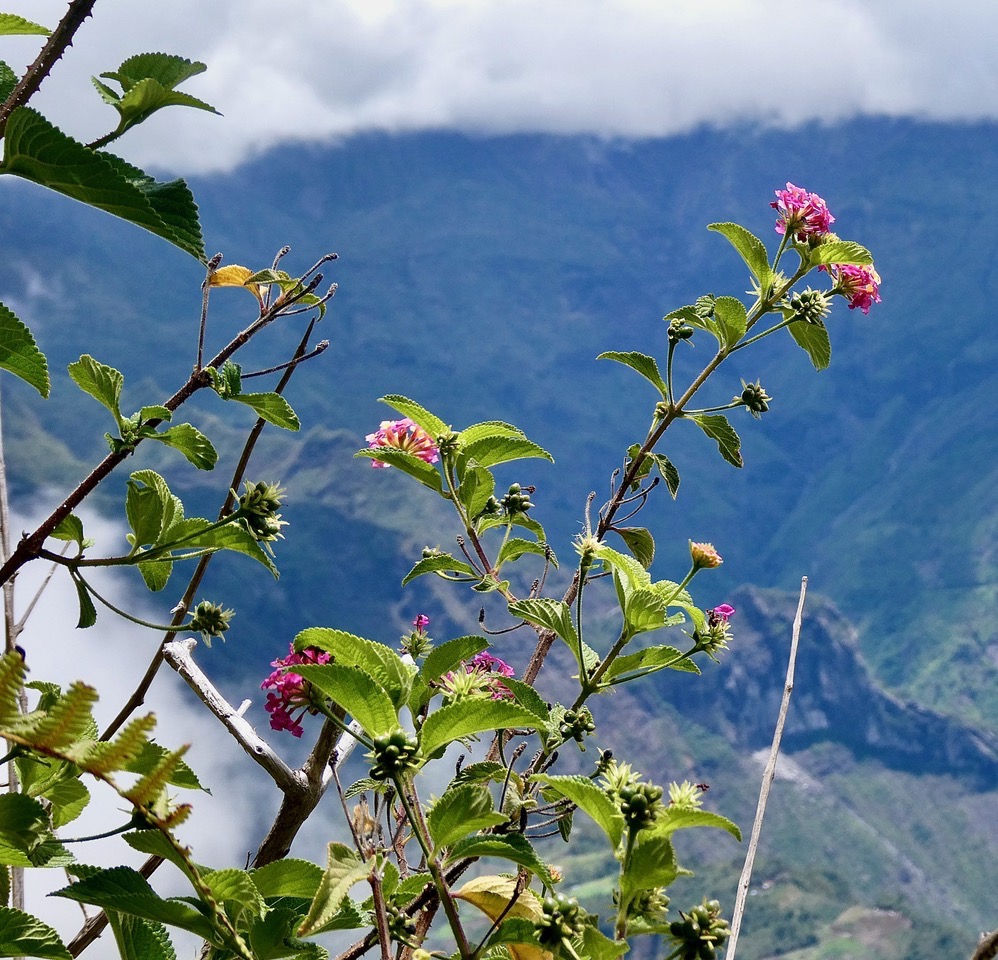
834	699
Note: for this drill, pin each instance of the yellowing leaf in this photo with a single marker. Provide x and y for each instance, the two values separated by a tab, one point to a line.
492	896
235	275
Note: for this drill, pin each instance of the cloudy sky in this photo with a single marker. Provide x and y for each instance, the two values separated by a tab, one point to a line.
632	68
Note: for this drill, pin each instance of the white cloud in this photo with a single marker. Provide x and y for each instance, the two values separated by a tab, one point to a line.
305	71
308	71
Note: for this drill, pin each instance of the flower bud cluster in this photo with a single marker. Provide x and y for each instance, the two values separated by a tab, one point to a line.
649	905
701	932
679	330
401	927
258	508
417	643
393	754
562	920
576	724
754	398
809	305
210	620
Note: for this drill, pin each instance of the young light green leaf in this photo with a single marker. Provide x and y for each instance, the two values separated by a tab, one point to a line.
11	24
731	318
127	891
424	472
645	365
591	800
466	718
489	428
343	869
553	614
144	511
448	655
648	660
99	381
841	251
19	354
813	339
142	98
644	610
37	151
652	864
191	442
514	847
516	547
271	407
476	489
357	692
462	810
640	542
71	529
287	878
236	892
678	818
439	563
22	935
88	612
716	426
527	697
597	946
750	248
431	423
488	451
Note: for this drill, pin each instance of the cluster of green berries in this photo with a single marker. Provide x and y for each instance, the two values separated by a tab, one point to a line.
517	500
576	724
810	305
210	620
563	919
679	330
401	927
640	804
393	754
755	398
701	931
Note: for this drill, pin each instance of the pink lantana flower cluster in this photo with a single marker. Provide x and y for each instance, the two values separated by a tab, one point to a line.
403	435
801	214
290	692
859	285
486	663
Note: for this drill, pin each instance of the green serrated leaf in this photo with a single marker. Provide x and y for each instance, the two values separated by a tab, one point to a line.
462	810
589	798
555	615
447	656
750	248
144	98
526	696
271	407
11	24
191	442
645	365
88	612
144	511
652	863
19	354
357	692
840	251
288	878
644	610
466	718
489	451
681	818
516	547
8	80
438	563
476	489
425	473
514	847
813	339
22	935
37	151
99	381
731	318
649	660
139	939
343	870
669	473
422	417
153	757
236	892
640	542
71	529
716	426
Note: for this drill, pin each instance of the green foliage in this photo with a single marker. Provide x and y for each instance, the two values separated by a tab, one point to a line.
813	339
19	353
22	935
645	365
11	24
37	151
716	427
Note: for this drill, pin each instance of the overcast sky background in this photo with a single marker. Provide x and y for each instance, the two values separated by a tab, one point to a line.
307	71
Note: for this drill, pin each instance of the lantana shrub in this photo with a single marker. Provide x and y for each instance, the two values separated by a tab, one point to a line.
403	884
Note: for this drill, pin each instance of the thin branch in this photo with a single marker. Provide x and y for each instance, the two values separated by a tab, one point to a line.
55	47
988	948
767	780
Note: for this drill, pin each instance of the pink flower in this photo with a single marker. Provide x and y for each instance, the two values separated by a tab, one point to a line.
859	285
486	663
722	611
802	214
421	622
704	555
293	691
403	435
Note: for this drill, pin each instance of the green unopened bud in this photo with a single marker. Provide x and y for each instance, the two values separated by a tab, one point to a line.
447	443
210	620
811	306
755	398
679	329
258	508
517	499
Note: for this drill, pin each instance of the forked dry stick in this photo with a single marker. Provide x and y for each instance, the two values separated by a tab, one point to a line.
767	779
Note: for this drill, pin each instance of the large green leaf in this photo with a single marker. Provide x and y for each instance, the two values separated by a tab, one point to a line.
841	251
438	563
477	488
22	935
591	799
463	809
431	423
425	473
288	878
645	365
465	718
513	846
139	939
751	249
731	318
716	426
19	354
488	451
679	818
37	151
812	338
99	381
357	692
191	442
271	407
448	655
640	542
